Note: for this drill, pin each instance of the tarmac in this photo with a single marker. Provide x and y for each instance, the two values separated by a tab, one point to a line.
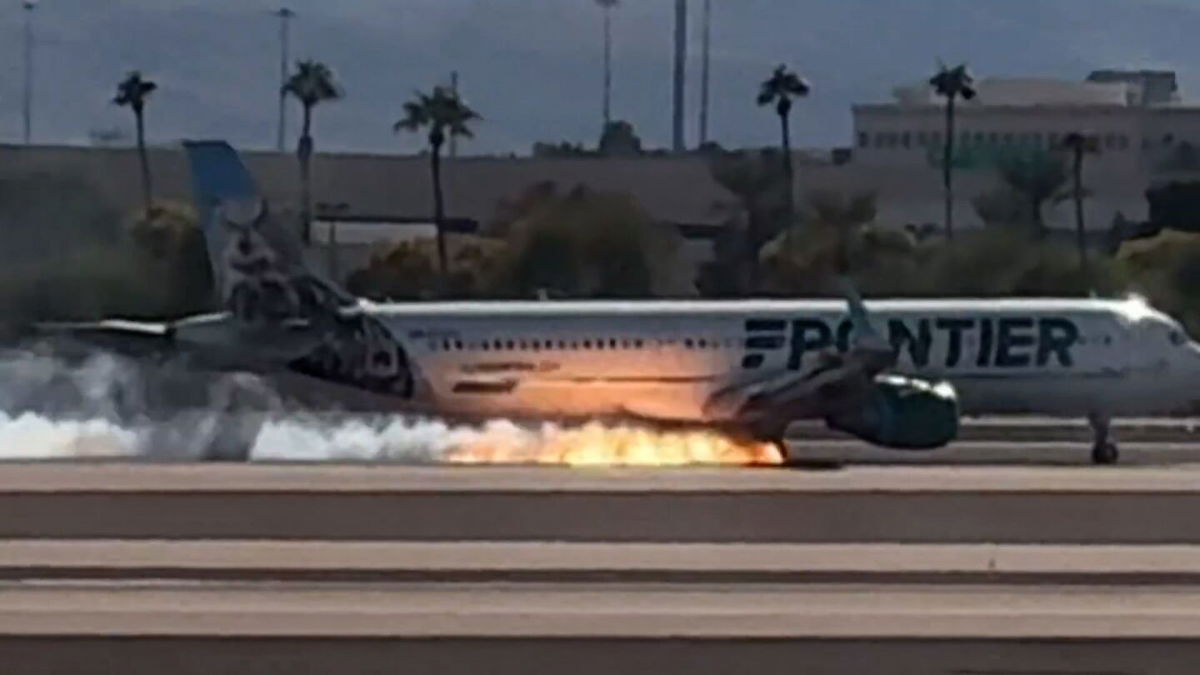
975	568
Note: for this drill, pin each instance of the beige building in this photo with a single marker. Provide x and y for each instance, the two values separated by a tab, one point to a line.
1144	132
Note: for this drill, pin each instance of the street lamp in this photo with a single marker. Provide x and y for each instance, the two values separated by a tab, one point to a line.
29	6
705	49
285	15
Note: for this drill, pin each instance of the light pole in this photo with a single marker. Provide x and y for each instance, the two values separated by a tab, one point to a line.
29	6
705	47
285	16
681	7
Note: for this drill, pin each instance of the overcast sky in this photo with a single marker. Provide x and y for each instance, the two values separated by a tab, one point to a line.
532	67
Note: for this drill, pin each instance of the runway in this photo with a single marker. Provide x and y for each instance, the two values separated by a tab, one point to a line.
1078	505
611	611
977	567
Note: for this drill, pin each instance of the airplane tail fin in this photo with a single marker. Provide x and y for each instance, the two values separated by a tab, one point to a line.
256	257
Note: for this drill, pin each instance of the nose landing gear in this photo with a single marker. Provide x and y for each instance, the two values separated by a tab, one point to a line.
1104	451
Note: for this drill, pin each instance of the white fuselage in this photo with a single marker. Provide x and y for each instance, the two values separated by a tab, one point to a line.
663	359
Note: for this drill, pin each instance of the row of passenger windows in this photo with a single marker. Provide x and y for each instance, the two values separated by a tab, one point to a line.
608	344
925	139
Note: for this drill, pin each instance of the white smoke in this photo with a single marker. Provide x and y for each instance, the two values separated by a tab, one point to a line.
98	405
58	404
33	436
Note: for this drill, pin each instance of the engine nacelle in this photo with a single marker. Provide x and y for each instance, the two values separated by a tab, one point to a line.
904	414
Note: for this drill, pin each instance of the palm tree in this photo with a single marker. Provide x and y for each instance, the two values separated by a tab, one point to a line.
446	115
607	6
1079	144
952	84
312	83
844	216
1037	178
754	180
132	92
780	89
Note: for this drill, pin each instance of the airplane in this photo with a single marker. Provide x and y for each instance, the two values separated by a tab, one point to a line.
899	374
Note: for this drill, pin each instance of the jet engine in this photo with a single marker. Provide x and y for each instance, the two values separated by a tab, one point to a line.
903	414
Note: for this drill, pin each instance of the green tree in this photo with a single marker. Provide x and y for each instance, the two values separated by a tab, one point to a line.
1165	269
1001	207
780	89
407	270
586	243
999	262
1035	178
619	139
758	213
1080	144
311	84
445	115
1175	205
843	216
838	239
951	84
133	92
171	250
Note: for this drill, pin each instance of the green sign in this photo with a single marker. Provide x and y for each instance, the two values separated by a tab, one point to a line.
975	156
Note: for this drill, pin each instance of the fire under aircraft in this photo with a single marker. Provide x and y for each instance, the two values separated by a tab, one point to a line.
894	373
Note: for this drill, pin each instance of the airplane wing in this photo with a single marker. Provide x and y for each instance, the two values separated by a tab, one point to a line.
116	335
109	326
853	391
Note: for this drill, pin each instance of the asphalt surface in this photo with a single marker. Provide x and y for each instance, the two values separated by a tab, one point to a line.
609	611
981	568
1078	505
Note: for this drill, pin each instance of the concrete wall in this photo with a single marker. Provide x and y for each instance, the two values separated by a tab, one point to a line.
672	189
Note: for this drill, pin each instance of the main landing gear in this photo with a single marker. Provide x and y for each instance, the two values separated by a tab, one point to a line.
1104	451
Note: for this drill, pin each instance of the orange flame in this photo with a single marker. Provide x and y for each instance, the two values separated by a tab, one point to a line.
599	445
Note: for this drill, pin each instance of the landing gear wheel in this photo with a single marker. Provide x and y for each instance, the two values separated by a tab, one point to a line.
1105	453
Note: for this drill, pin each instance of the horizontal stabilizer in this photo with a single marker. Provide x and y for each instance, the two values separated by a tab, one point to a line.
113	326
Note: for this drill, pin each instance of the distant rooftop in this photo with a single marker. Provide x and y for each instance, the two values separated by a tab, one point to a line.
1148	87
1101	88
